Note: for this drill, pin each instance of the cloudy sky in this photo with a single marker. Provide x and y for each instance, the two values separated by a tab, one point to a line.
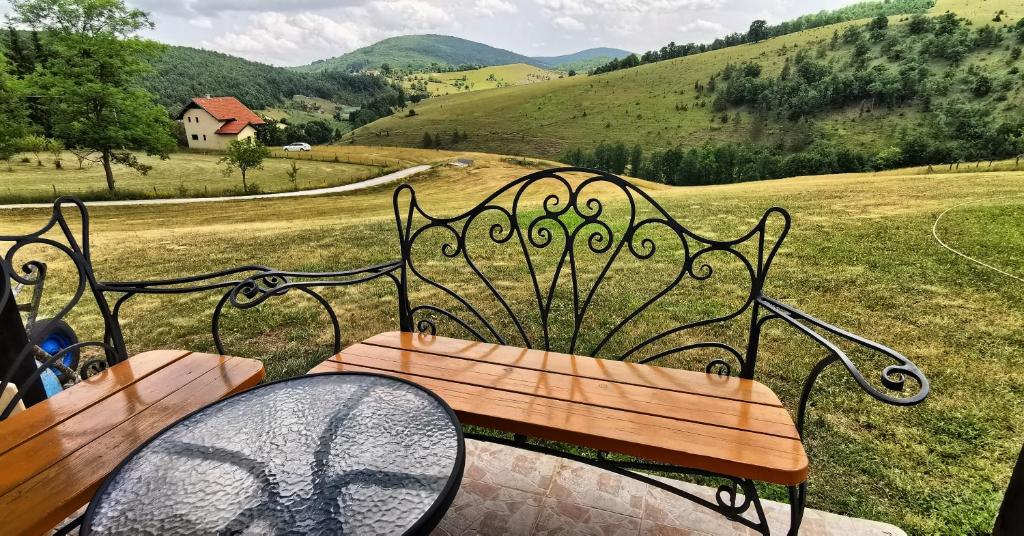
294	32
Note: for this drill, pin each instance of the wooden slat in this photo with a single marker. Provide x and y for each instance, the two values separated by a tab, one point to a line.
684	381
723	450
57	442
713	411
39	503
41	417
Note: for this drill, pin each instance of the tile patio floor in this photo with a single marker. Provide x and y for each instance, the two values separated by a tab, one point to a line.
517	492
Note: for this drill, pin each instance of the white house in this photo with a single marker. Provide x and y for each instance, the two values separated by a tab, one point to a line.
214	122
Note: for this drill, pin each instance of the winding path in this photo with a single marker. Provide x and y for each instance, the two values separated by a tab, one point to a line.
368	183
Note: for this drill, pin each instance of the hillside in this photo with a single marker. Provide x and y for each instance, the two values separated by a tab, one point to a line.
668	104
446	83
180	73
418	52
584	59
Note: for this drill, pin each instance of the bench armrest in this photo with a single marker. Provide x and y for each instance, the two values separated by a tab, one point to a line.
893	377
248	286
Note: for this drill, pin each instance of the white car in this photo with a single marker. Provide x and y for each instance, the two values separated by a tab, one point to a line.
297	147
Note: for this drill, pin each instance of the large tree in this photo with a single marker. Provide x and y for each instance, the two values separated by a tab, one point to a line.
90	81
13	115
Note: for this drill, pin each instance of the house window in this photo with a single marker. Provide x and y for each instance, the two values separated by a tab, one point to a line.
204	137
195	136
189	119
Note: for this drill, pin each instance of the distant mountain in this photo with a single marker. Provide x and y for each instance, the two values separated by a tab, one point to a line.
419	52
583	58
180	73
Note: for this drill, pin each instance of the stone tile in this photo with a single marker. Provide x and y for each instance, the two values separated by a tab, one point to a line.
650	528
664	508
589	486
509	467
561	518
484	508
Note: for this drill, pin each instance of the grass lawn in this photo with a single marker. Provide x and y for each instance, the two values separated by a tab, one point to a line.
192	174
861	255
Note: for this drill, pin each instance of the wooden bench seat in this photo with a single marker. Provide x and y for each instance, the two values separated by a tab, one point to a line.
703	421
55	454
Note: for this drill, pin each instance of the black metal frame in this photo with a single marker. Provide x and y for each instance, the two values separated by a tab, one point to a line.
539	232
249	286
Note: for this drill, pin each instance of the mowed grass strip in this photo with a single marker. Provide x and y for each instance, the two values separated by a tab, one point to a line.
194	174
860	255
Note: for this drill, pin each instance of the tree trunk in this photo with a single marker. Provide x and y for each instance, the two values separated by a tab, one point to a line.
107	170
245	187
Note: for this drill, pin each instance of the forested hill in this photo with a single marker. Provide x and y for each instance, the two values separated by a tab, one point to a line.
180	73
416	52
936	88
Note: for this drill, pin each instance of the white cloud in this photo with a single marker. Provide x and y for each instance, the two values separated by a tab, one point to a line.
702	26
567	23
201	22
495	7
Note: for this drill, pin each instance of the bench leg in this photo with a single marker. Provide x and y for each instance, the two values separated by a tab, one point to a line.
797	500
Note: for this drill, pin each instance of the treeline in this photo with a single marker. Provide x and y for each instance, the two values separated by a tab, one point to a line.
760	30
958	132
181	73
809	85
381	106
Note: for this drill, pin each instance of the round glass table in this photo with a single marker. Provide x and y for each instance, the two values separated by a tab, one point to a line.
342	453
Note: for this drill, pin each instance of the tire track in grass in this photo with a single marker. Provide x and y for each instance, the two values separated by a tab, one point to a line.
935	233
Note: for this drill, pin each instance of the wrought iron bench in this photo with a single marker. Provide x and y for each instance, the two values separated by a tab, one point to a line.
589	250
572	263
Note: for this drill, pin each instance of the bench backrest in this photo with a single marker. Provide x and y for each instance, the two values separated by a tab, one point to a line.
580	261
57	255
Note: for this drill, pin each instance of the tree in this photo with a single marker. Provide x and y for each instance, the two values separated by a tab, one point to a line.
56	148
13	116
758	31
293	175
428	141
90	79
636	160
879	23
34	144
318	132
244	155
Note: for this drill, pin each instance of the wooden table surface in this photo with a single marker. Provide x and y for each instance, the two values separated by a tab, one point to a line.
690	419
55	454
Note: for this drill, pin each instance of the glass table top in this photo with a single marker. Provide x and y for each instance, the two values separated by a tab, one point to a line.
322	454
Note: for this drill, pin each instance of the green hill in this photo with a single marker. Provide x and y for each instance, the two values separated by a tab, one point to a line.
897	81
583	60
419	52
180	73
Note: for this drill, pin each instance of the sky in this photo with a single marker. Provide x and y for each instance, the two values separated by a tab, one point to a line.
296	32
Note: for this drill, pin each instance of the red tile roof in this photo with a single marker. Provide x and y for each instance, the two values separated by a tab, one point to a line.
229	109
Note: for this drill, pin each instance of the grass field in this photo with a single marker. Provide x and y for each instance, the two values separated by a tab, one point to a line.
189	174
861	254
645	104
516	74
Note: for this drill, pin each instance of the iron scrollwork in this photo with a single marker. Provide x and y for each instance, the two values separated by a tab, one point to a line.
592	229
246	287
